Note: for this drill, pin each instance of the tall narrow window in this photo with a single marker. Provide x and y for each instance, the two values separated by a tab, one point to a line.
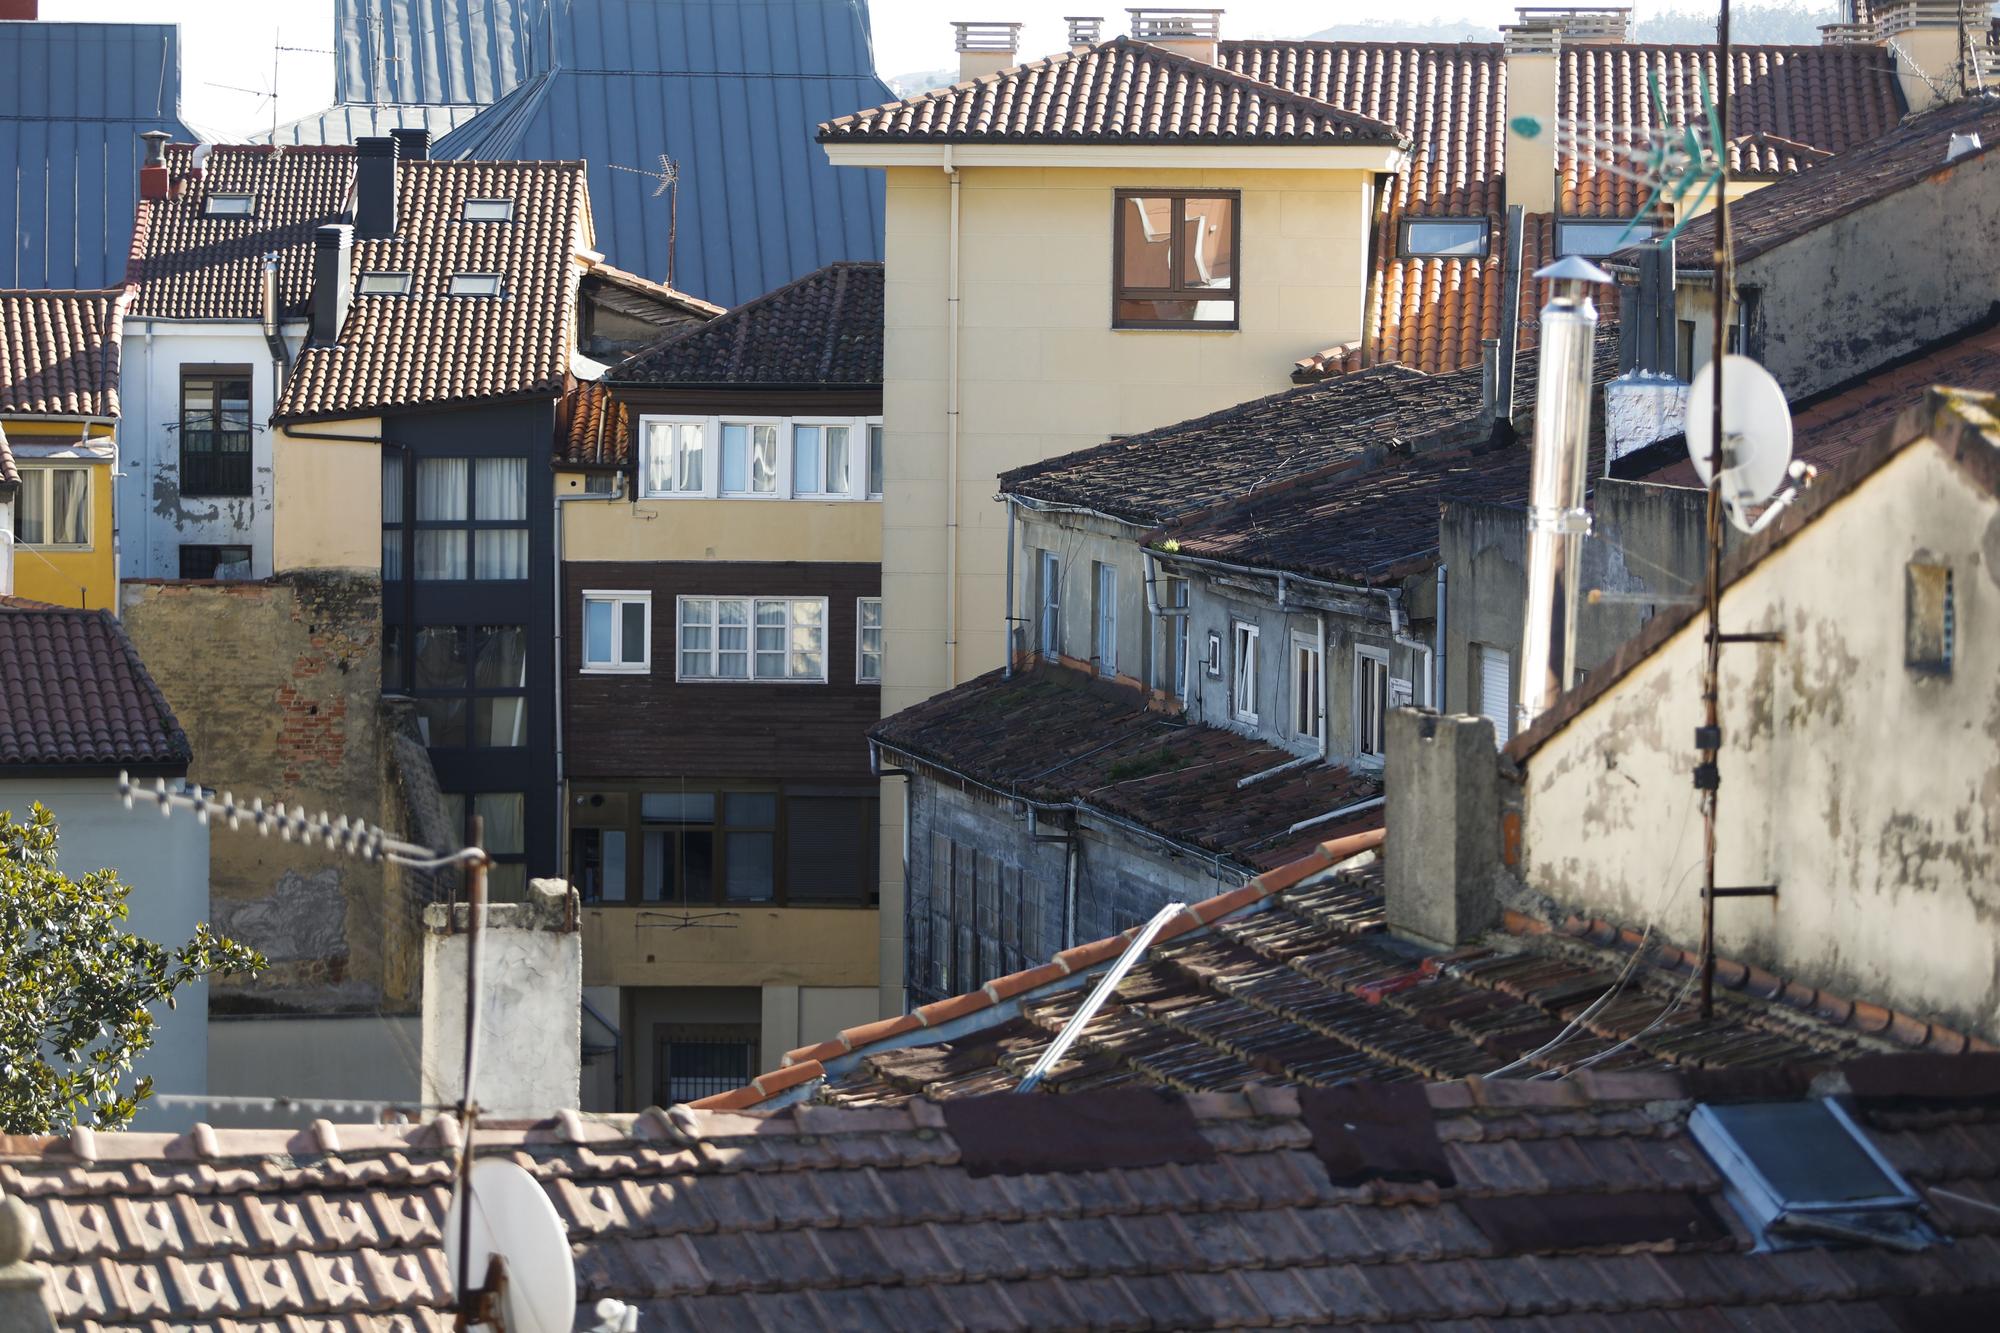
1494	688
1104	624
1243	678
874	462
1175	257
673	459
1177	638
820	460
500	497
1308	688
215	433
1930	621
1371	703
617	631
1051	606
749	458
868	641
392	514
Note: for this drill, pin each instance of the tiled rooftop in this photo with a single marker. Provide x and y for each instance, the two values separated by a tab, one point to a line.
1055	734
592	428
75	696
823	330
59	352
1119	92
1565	1207
431	348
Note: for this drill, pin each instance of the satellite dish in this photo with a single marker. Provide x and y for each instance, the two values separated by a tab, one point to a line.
513	1218
1756	430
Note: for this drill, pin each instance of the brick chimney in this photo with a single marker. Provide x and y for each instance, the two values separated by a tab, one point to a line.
530	1004
1193	33
374	188
153	170
21	10
1941	49
986	47
332	281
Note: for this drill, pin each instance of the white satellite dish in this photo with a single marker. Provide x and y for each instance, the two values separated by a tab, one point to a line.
513	1218
1756	431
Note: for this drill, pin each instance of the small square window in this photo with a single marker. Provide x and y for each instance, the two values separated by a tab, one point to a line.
231	205
384	284
475	284
1930	622
1445	238
617	632
489	210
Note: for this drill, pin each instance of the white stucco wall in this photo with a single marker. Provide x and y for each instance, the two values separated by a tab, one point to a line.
1867	791
165	861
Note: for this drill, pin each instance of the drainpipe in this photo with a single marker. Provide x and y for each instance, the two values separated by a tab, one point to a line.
1394	596
1319	635
1007	622
1354	809
562	796
951	435
1437	632
281	355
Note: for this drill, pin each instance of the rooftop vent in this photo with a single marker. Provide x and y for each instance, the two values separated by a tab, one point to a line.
1189	32
1539	29
1961	144
1803	1173
985	47
1084	30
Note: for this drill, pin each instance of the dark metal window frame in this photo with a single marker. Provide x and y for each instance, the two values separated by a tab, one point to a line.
468	690
405	532
1176	290
201	469
212	555
1404	250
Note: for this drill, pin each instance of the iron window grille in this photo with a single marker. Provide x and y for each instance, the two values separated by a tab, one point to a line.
215	433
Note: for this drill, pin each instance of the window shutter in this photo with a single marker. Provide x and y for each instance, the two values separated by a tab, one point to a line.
830	849
1495	698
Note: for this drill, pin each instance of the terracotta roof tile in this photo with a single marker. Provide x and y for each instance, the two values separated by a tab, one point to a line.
823	330
593	428
1121	91
76	695
59	352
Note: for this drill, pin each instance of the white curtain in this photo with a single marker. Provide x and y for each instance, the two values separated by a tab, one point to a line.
441	489
441	554
500	489
70	507
500	553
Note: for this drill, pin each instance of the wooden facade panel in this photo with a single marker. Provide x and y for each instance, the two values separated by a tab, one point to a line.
651	726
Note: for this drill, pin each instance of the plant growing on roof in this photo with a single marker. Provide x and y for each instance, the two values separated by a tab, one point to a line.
76	1007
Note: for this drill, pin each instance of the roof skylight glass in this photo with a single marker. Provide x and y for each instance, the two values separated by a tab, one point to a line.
1598	238
384	284
1445	239
489	210
475	284
231	205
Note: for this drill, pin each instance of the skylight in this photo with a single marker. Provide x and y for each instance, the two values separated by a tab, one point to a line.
489	210
1444	238
1598	238
475	284
1803	1172
384	284
231	205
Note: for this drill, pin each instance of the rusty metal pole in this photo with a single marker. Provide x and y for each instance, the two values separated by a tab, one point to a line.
468	1110
1708	776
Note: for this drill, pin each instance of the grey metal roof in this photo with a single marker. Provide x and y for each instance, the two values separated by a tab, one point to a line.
436	52
74	98
344	122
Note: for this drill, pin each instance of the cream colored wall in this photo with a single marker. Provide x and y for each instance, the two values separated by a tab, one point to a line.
1531	159
791	946
1869	793
829	530
329	497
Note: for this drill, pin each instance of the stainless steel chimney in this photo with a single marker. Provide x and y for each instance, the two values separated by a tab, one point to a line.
1557	520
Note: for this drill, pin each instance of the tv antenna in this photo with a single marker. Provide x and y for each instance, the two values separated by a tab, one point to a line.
1756	453
513	1238
669	177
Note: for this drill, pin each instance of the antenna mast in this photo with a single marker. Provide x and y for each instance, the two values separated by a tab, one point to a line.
1707	774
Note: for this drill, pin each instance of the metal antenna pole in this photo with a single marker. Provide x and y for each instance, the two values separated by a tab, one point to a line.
1708	775
468	1110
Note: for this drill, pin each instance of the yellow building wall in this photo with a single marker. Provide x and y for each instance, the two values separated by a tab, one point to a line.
735	529
328	512
786	946
85	576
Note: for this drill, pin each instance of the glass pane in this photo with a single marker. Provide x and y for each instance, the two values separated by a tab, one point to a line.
874	460
697	867
871	613
1209	230
613	851
653	878
500	489
442	721
805	460
764	459
659	457
234	403
1145	229
34	506
750	860
441	555
1804	1152
688	477
507	882
1446	239
678	807
750	809
500	723
69	514
392	657
836	460
501	659
633	642
392	554
441	486
441	654
392	487
1597	238
500	553
502	811
597	633
1170	312
808	641
453	805
735	458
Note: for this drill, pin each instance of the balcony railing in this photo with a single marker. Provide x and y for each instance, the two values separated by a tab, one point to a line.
215	462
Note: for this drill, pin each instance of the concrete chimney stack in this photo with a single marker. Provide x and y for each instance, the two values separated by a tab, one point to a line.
1943	50
1442	859
1194	33
986	47
332	282
1085	30
374	188
530	1005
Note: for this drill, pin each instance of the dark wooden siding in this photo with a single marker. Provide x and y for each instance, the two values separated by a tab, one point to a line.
650	726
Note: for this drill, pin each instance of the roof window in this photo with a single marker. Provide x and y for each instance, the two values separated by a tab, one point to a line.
1600	236
489	210
384	284
475	284
1803	1173
231	205
1444	238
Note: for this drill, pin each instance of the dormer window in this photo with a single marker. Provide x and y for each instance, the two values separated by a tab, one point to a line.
384	284
475	284
489	210
231	205
1444	238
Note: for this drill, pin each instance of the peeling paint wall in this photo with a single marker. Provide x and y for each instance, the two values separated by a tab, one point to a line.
1868	792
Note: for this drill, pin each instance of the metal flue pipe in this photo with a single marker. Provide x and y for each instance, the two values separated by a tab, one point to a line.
1557	520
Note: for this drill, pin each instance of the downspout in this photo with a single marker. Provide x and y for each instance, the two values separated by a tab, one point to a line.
1007	622
1319	634
281	355
951	435
1394	596
1068	839
1437	632
562	798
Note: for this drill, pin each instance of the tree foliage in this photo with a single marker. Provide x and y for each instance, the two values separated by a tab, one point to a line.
76	989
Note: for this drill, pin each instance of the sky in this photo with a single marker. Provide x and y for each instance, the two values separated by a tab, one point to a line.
227	45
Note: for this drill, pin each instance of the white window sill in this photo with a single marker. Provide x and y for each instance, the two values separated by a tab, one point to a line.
616	670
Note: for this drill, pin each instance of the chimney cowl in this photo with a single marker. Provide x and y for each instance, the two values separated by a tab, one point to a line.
153	182
1194	33
332	281
1085	30
985	47
412	145
374	187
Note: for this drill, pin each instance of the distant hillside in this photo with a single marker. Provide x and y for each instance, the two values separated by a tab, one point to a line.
905	84
1776	24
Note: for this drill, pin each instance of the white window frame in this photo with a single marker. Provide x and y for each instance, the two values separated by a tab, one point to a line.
1367	658
43	475
1243	637
1212	664
617	599
872	433
1048	606
857	484
495	210
861	632
711	470
249	209
858	434
781	469
382	284
751	602
1104	617
1174	600
1308	666
474	284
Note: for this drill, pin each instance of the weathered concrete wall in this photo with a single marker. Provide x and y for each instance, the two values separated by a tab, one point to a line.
277	683
1442	811
530	1010
1081	542
1867	791
371	1056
